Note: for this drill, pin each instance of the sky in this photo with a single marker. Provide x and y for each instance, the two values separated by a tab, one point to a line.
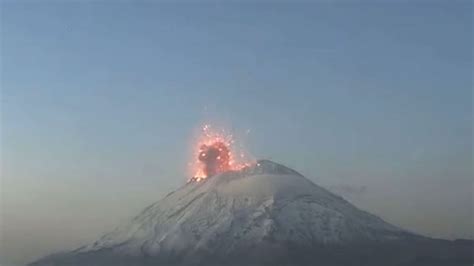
100	100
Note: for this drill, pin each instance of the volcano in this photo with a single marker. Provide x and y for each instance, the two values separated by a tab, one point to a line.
262	214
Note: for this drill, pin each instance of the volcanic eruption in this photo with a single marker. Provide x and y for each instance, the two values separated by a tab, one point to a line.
215	158
238	213
215	153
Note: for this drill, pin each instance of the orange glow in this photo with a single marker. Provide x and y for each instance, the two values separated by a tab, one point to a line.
214	153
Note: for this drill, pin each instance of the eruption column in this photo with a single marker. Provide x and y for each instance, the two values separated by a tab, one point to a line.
215	158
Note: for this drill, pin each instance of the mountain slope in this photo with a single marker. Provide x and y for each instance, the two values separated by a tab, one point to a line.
236	217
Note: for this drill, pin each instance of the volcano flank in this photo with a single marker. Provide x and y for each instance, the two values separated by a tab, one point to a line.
262	214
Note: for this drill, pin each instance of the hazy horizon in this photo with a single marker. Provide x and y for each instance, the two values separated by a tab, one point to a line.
100	101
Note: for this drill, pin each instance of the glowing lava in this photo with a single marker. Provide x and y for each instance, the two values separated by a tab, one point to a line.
214	154
215	158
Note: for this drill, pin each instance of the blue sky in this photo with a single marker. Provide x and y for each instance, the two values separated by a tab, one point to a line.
104	97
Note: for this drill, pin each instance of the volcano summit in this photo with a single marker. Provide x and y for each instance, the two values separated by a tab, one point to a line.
263	214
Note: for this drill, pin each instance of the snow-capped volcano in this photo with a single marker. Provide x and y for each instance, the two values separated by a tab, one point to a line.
235	209
265	208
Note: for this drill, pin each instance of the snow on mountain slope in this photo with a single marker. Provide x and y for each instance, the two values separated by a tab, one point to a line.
263	203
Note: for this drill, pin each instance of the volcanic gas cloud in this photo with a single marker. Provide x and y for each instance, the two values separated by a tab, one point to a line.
215	154
215	158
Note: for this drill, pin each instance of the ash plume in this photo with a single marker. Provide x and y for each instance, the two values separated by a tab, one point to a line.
215	158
